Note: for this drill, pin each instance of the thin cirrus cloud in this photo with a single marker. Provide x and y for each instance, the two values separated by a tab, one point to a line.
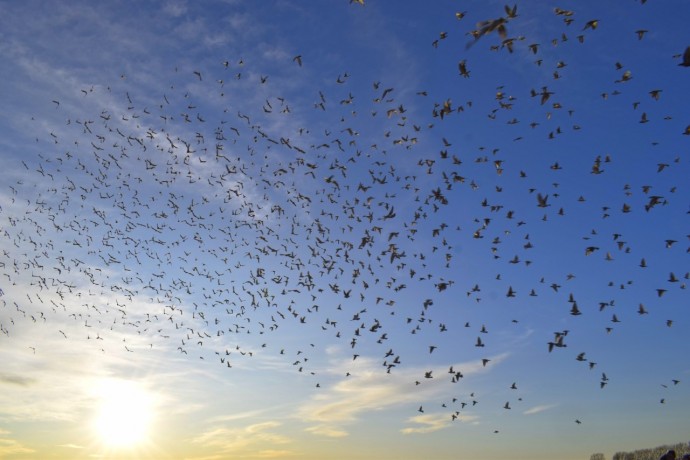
246	439
10	446
71	446
327	431
367	391
427	423
538	409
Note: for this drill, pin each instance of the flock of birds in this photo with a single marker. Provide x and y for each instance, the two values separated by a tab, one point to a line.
217	231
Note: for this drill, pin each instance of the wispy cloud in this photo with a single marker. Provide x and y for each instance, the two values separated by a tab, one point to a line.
245	441
16	379
427	423
237	416
71	446
9	446
327	430
175	8
538	409
366	390
369	390
58	381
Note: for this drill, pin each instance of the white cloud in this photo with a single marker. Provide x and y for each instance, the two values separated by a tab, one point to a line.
244	441
71	446
327	430
368	390
239	21
428	423
538	409
175	8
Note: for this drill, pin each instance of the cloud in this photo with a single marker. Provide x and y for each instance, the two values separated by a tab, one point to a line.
242	441
10	446
436	421
428	422
58	382
237	416
71	446
328	431
537	409
368	390
175	8
16	380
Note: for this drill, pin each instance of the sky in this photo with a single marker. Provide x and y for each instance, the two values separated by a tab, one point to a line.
344	230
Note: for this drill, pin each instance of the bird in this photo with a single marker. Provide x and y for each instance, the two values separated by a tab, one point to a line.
488	26
462	66
685	62
542	200
591	24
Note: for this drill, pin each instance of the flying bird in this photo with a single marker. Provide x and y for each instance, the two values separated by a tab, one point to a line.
685	62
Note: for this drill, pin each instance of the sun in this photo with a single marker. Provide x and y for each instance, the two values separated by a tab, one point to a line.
124	415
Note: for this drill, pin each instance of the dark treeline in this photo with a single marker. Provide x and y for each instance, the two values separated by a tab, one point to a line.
654	453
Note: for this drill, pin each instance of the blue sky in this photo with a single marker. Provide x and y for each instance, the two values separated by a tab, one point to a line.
296	230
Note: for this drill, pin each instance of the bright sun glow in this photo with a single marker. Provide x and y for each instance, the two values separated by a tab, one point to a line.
124	416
